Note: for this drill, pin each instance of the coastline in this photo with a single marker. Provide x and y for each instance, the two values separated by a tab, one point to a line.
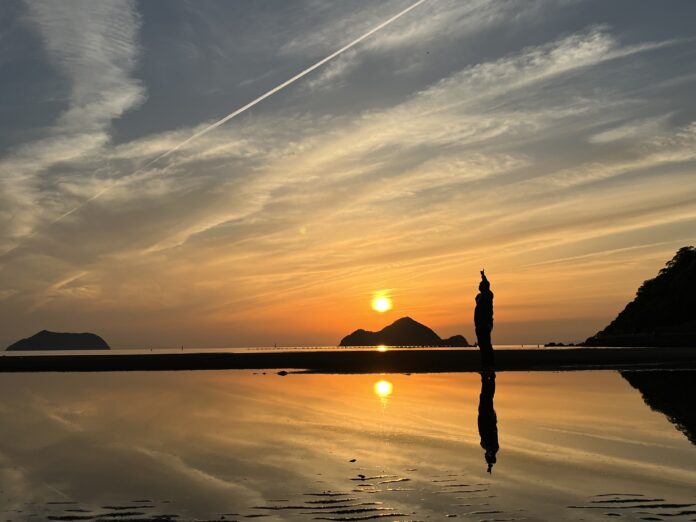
353	361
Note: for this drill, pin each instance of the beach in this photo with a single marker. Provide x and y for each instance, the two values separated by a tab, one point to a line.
412	360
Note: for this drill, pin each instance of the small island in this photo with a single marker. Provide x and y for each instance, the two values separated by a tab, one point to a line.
402	332
663	312
45	340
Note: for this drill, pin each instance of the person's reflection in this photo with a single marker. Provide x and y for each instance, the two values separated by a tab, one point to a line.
487	419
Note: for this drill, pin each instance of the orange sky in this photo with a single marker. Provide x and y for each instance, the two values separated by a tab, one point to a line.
555	151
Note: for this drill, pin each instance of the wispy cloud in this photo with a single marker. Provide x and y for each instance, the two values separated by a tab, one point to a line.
652	153
94	46
551	149
634	129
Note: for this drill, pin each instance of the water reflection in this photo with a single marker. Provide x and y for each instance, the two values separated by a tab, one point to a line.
203	445
487	419
383	389
672	393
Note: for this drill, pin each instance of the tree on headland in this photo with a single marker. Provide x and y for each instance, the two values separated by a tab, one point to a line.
663	311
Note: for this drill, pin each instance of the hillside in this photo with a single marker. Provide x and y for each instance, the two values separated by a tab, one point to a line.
663	312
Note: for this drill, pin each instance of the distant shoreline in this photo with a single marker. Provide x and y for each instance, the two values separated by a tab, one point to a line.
352	361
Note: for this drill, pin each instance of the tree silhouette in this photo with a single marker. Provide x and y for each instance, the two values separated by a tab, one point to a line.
664	307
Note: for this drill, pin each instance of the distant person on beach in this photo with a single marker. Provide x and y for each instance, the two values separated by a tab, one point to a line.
488	420
483	321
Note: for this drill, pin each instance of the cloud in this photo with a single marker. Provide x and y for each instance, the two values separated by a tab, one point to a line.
669	148
508	159
460	109
437	26
637	128
435	22
94	46
336	71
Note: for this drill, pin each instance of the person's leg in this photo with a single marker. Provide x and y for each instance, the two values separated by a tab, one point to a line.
483	337
489	347
490	354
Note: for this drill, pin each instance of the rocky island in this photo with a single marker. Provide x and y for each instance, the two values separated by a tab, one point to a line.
402	332
663	312
45	340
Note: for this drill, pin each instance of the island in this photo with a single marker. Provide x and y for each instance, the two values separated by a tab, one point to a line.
663	312
402	332
45	340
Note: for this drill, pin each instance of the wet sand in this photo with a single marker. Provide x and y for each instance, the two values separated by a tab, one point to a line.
352	361
467	500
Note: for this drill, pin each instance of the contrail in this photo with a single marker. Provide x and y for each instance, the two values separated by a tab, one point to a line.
285	83
231	115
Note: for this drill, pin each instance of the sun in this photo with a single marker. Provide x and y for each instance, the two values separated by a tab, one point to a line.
381	304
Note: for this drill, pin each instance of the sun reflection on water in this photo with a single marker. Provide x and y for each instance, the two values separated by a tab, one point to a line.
382	348
383	389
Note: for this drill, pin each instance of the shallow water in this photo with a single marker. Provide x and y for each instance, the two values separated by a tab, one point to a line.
238	445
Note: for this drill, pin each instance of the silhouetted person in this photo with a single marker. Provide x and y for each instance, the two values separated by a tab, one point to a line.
483	321
487	419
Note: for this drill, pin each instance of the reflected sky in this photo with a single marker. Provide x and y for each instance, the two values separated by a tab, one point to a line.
199	444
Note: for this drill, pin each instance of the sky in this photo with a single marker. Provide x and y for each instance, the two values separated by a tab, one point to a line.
552	143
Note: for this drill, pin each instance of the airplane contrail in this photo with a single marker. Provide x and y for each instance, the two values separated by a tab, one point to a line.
237	112
286	83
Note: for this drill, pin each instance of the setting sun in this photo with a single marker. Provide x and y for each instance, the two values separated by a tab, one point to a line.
381	304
